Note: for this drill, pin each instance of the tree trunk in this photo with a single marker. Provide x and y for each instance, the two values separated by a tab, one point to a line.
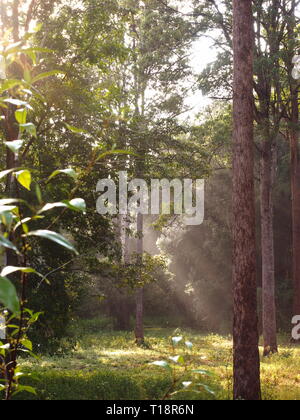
139	321
295	162
121	308
15	20
245	329
267	249
295	186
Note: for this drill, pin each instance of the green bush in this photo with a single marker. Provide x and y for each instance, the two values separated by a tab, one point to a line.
104	385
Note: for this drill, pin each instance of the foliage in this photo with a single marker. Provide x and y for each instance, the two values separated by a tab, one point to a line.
105	361
24	216
179	378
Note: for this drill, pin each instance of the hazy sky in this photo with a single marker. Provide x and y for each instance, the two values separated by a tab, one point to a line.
202	54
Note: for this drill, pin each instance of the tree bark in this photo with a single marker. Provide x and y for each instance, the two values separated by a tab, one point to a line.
139	321
245	329
295	158
15	20
295	187
268	162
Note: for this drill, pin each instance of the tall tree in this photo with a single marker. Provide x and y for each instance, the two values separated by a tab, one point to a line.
270	30
293	43
268	115
158	67
245	329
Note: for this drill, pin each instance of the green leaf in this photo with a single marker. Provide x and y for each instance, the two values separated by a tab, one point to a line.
189	344
7	244
19	374
14	146
17	102
6	215
187	384
32	56
6	172
9	84
203	372
55	237
5	346
29	128
7	201
77	204
161	363
24	388
177	359
5	209
27	74
24	178
11	269
75	129
8	295
69	171
28	91
21	115
46	75
38	193
27	343
7	218
176	340
207	388
12	48
26	220
50	206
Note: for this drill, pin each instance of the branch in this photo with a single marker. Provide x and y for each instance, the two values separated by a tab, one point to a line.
221	21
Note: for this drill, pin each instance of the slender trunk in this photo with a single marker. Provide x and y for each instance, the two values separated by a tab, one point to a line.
267	249
138	93
295	163
295	187
139	321
11	132
121	300
245	329
15	20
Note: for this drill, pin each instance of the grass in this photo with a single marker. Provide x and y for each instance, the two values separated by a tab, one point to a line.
107	365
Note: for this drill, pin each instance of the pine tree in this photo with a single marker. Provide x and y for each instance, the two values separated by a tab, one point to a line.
245	330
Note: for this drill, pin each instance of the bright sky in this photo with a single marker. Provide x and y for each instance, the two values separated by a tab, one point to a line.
202	54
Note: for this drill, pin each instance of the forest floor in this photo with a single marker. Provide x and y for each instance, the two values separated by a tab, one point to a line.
107	365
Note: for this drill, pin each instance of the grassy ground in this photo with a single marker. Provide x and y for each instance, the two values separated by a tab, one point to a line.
108	365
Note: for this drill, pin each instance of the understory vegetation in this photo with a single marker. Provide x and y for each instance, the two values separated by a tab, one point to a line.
105	365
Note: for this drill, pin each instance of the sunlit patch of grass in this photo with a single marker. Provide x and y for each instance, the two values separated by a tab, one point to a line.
281	374
106	362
